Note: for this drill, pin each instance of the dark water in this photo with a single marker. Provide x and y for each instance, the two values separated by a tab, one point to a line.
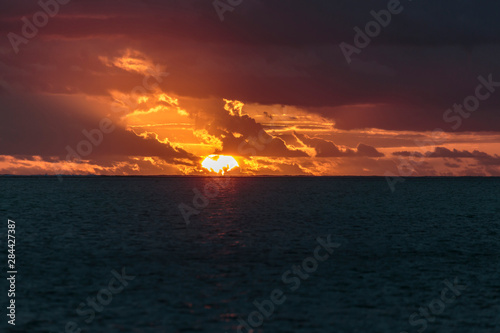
395	251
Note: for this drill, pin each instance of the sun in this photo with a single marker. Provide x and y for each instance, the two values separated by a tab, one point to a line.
219	163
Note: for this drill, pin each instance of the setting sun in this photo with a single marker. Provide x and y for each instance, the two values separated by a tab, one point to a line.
219	163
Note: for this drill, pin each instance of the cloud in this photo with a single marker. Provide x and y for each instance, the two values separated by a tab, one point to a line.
46	125
239	133
325	148
442	152
63	80
452	165
257	59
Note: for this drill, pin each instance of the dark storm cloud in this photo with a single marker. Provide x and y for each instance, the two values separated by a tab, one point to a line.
325	148
239	133
442	152
287	22
275	52
43	126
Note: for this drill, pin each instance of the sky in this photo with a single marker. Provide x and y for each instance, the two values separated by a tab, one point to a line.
386	88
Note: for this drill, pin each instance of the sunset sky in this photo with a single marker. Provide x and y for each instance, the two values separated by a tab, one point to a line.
160	85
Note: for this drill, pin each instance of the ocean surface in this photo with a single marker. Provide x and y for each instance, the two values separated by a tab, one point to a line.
425	258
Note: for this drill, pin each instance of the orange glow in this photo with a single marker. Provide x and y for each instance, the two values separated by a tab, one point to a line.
219	163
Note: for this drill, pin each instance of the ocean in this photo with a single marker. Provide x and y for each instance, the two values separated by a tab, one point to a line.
268	254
